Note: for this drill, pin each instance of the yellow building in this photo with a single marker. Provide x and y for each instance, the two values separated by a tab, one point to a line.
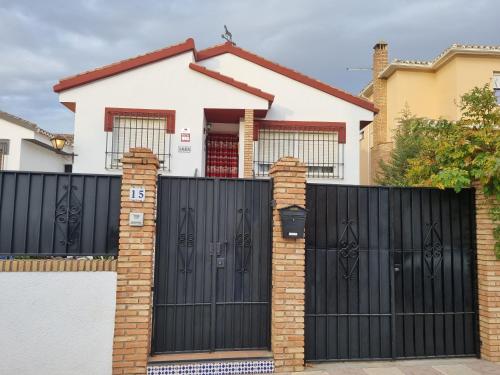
430	89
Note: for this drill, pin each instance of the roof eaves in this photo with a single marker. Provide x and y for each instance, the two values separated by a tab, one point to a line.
290	73
231	81
18	121
367	90
441	59
31	126
124	65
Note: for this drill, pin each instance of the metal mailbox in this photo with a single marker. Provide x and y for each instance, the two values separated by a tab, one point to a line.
293	221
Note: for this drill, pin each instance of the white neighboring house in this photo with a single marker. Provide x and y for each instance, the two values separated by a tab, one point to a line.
26	147
198	110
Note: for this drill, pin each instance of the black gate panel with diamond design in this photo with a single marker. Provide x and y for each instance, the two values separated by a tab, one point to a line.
389	273
45	214
213	265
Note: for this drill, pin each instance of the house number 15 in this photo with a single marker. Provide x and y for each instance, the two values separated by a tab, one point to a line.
137	193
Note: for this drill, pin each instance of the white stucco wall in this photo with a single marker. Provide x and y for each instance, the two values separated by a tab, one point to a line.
38	159
14	133
167	84
57	323
171	84
26	156
295	101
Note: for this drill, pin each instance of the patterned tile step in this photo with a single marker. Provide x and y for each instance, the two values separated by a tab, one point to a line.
258	366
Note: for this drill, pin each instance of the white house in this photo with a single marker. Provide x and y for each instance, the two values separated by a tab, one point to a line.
26	147
222	112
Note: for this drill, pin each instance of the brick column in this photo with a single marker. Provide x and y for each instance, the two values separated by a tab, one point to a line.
248	144
382	140
488	275
288	270
135	266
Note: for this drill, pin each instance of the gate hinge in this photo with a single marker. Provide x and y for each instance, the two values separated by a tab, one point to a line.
211	248
273	203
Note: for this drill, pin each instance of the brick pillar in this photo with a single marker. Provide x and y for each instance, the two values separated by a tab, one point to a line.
488	275
382	141
135	266
288	270
248	144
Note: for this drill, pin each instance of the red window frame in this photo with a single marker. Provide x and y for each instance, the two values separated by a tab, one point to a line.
167	114
324	126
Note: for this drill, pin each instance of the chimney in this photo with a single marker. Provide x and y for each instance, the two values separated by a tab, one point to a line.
380	61
381	145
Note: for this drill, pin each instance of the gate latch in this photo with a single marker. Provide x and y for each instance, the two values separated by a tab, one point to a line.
221	262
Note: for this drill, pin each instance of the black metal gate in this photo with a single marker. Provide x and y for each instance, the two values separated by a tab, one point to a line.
390	273
59	214
213	265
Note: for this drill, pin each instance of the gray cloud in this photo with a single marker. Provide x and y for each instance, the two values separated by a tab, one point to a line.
43	41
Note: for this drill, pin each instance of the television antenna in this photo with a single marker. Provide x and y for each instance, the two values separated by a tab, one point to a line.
349	69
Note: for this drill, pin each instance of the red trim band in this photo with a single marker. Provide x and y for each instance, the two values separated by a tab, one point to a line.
167	114
122	66
231	81
325	126
302	78
188	45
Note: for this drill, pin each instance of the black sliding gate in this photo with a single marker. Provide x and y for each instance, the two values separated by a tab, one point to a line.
213	265
390	273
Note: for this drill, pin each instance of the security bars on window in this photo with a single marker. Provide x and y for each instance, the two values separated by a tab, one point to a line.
320	151
138	131
4	151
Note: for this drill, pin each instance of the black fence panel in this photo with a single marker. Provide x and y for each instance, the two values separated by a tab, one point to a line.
434	278
52	214
213	265
390	273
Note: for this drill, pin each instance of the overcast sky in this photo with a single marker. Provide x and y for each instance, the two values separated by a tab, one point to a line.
42	41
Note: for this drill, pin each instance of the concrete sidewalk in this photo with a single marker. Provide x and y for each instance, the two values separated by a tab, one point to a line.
460	366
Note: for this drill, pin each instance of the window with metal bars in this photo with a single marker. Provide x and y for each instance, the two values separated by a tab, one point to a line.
4	151
496	86
146	129
320	151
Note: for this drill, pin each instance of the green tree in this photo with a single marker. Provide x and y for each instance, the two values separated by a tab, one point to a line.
457	154
451	154
407	145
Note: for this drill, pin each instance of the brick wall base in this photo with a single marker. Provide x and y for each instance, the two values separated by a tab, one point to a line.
57	265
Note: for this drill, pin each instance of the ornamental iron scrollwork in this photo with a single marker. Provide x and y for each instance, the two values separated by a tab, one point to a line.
185	239
243	240
68	218
348	255
433	250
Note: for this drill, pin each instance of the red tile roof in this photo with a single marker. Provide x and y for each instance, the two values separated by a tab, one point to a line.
188	45
124	65
231	81
290	73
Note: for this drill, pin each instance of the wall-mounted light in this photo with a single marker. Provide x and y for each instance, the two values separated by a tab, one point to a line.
58	142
